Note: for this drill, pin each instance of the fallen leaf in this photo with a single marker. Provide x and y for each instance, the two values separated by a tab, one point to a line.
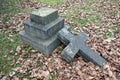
18	49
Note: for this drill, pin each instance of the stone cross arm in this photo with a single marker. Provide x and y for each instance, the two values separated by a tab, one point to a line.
76	45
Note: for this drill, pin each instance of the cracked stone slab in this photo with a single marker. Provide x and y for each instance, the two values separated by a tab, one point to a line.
44	46
76	45
43	31
44	15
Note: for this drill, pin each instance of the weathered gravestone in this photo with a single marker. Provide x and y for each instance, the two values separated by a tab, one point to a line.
41	30
76	45
45	30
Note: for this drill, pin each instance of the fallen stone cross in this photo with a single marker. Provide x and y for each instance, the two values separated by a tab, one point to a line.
76	45
45	31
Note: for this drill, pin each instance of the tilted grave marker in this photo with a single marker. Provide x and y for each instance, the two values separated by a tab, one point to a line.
45	30
76	45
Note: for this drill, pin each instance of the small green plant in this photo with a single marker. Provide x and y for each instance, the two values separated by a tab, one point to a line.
53	74
109	34
40	64
68	15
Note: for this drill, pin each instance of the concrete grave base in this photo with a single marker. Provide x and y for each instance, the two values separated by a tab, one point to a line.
44	46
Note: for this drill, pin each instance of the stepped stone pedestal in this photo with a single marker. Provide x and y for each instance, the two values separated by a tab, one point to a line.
40	30
45	30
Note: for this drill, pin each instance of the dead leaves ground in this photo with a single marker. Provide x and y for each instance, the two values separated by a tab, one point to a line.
104	37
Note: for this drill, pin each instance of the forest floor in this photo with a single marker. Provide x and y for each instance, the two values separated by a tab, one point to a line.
100	19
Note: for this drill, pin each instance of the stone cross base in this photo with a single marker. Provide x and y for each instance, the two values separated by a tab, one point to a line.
45	46
40	30
45	30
